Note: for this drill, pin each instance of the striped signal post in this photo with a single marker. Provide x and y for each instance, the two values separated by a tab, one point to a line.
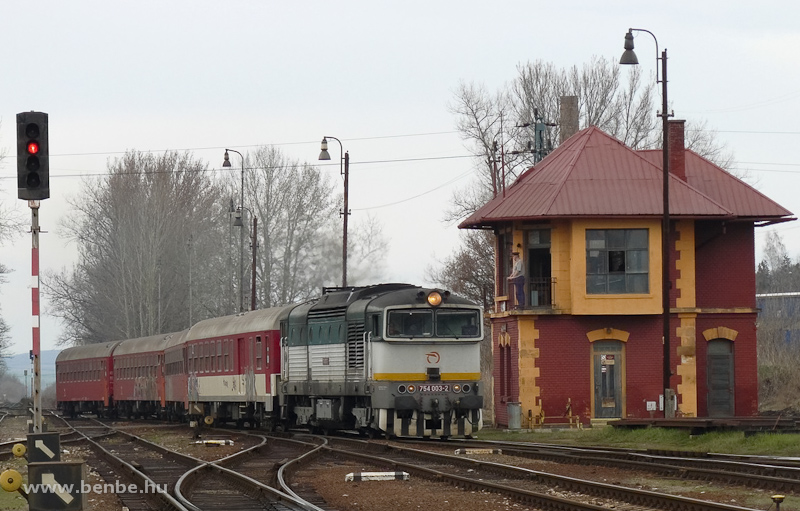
37	361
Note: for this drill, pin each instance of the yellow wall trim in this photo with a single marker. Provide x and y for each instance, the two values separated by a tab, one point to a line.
720	332
424	377
608	334
619	304
687	365
529	391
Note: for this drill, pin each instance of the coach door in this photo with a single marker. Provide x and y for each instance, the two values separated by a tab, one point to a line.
720	378
608	366
248	378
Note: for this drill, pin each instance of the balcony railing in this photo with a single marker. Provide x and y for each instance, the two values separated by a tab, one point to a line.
539	295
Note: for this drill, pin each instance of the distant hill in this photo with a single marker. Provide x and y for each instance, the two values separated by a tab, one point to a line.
16	365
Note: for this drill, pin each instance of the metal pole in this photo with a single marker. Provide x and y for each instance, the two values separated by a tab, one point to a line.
37	362
241	246
255	247
241	232
346	213
665	240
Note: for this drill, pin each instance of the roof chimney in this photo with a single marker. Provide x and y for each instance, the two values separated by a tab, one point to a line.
677	157
568	117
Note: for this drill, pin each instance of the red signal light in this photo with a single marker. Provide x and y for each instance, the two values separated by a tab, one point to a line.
33	147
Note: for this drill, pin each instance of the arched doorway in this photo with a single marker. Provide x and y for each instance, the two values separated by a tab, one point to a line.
608	368
720	378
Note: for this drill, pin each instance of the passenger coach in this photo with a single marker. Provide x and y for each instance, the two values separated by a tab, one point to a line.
84	378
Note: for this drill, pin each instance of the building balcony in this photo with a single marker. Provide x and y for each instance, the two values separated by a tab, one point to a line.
539	297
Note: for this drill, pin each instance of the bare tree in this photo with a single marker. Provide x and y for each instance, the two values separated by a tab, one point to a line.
10	227
365	263
498	130
778	326
136	231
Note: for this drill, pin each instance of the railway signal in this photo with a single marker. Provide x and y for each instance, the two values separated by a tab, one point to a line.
33	159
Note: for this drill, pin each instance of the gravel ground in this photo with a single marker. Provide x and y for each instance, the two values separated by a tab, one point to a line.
327	478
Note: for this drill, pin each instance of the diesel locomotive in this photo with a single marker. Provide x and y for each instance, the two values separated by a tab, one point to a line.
387	359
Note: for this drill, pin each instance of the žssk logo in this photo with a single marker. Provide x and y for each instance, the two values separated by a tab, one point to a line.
433	357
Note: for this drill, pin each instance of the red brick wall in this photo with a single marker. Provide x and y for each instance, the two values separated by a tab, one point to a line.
725	265
565	363
745	362
501	399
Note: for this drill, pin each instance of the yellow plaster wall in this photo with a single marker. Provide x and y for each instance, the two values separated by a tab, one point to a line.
687	331
625	304
560	257
687	364
529	390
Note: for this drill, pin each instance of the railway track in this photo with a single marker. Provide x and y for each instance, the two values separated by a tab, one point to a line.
248	480
537	489
768	473
164	479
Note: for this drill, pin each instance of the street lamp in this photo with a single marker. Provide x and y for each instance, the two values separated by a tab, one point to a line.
239	223
629	57
344	171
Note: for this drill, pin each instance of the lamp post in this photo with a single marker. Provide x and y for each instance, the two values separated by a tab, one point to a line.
629	57
344	171
254	250
238	222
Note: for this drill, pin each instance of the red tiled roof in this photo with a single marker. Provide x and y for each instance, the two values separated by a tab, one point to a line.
594	174
733	193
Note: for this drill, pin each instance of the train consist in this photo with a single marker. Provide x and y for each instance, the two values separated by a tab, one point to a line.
391	359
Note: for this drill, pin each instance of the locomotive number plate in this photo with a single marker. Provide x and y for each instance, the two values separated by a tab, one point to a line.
427	387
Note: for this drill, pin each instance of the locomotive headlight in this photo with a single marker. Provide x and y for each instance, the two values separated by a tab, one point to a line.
467	388
401	389
411	389
434	298
456	388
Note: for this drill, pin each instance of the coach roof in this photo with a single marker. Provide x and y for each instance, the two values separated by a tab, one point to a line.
99	350
251	321
142	345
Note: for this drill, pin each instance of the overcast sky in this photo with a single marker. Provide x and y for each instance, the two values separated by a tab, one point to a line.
202	76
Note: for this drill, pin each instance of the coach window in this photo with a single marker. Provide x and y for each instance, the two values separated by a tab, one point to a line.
219	355
259	349
226	354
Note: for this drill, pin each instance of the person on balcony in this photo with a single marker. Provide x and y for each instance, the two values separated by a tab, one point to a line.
517	278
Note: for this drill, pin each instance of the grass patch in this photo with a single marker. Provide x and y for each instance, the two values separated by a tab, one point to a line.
768	444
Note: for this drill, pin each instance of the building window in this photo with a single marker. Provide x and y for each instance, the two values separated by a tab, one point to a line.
617	261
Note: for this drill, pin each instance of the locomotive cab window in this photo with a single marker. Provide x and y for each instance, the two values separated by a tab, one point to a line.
410	323
448	323
457	323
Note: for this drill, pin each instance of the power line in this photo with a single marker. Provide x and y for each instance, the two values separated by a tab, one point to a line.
274	167
220	148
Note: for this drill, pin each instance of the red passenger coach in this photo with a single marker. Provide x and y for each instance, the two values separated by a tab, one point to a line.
230	366
85	378
176	381
139	381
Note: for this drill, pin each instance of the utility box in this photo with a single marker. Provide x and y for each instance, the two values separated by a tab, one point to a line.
514	415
